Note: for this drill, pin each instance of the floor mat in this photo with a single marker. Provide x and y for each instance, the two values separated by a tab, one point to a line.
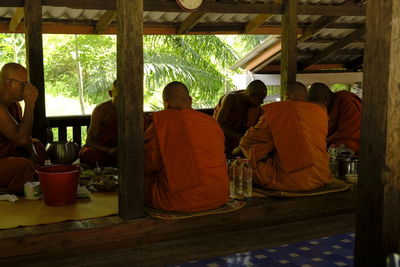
333	251
335	186
232	205
34	212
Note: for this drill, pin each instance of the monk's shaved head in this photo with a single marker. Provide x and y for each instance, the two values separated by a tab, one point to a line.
319	92
255	93
176	95
256	87
11	71
297	92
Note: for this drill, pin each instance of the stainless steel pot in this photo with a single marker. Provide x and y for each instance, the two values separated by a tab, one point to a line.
62	152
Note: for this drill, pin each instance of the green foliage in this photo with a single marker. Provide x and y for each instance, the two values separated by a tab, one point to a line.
201	62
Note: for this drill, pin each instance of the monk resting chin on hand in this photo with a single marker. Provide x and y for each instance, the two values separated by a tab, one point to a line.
18	155
185	168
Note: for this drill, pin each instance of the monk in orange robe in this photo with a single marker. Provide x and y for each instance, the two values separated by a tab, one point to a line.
344	109
18	155
287	147
185	168
238	111
101	141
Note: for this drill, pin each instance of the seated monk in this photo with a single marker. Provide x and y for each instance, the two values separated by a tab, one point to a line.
18	155
287	147
238	111
101	140
185	168
344	111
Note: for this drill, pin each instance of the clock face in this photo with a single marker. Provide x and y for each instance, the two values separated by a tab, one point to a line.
189	5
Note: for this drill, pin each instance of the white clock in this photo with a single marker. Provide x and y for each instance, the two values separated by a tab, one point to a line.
189	5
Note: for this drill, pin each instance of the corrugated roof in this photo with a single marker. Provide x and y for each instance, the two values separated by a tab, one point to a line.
169	17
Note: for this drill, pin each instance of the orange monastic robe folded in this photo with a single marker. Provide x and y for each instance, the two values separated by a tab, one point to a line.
287	147
241	119
185	168
345	120
108	136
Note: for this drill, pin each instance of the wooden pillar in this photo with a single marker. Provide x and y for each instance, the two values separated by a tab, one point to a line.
289	44
378	216
130	107
34	62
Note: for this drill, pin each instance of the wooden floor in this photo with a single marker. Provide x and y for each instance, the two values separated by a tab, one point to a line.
265	222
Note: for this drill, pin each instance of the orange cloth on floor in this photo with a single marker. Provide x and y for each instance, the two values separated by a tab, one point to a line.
108	136
345	120
287	148
185	168
241	119
15	169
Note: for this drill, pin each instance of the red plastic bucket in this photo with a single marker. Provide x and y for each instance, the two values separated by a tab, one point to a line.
59	184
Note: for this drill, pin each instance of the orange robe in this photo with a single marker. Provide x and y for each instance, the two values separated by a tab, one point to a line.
185	168
345	120
287	147
108	137
241	119
15	169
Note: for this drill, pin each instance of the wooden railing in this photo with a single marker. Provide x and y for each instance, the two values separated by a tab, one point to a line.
78	125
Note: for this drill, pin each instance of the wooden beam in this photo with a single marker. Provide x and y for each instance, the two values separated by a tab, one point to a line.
217	7
355	64
258	20
105	20
315	67
16	19
325	10
57	27
289	45
190	22
266	55
34	62
356	35
130	108
316	26
378	218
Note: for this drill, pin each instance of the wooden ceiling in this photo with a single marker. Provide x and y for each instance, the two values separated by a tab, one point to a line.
215	17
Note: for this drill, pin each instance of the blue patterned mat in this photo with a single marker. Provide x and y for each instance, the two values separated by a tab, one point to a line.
333	251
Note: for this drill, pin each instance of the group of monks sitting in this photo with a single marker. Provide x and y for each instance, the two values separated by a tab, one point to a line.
185	150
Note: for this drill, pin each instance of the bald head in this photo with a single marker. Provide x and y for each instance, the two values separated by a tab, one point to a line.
256	91
319	93
12	71
297	92
176	95
256	87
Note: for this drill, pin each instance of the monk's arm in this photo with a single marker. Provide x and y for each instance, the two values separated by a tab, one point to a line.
152	155
348	122
94	131
20	134
224	116
257	142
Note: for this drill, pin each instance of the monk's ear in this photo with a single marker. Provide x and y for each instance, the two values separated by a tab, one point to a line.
166	104
110	93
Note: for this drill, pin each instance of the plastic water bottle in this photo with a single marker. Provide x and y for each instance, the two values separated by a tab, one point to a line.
333	162
230	163
247	177
237	174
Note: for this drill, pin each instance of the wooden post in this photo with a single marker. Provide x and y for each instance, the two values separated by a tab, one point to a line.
378	219
289	44
130	107
34	62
